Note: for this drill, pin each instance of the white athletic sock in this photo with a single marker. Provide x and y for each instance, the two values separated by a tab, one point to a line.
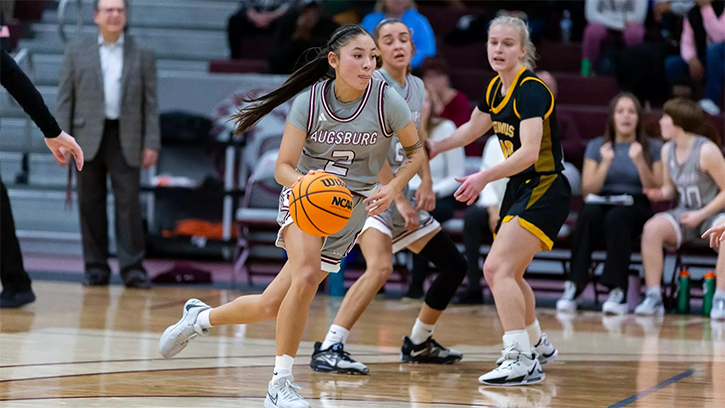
203	319
518	337
534	332
421	332
336	334
282	366
719	294
654	291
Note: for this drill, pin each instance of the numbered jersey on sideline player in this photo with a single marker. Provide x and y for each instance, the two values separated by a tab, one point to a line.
414	95
695	188
508	111
350	140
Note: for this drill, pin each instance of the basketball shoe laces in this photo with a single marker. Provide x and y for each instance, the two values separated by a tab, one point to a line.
289	390
343	355
188	333
511	354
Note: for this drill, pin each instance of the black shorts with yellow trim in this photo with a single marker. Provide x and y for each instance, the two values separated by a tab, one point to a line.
541	203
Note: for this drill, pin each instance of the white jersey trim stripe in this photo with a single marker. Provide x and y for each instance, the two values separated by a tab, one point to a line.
357	113
311	109
381	110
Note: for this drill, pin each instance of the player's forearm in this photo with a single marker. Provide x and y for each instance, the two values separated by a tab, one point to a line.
715	206
519	161
286	174
408	169
463	136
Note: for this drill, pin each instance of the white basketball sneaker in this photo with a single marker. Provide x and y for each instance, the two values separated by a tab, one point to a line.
616	303
176	337
568	301
651	305
545	351
282	393
718	308
518	368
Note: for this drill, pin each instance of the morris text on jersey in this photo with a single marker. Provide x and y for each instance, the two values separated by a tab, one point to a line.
345	138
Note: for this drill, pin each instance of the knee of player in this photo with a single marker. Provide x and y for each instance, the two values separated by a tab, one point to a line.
307	275
270	307
491	268
380	271
652	230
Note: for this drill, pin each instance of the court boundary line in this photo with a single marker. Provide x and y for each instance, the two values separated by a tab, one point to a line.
653	389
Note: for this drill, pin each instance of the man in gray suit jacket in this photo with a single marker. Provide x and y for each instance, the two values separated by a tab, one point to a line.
107	99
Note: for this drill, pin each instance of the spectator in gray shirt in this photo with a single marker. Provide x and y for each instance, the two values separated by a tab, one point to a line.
623	161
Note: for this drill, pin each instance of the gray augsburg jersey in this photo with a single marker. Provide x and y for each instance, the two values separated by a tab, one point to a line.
695	187
414	94
350	140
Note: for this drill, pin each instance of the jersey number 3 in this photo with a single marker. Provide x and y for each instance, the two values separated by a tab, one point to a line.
338	167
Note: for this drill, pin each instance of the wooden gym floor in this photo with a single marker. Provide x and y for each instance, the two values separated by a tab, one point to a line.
83	347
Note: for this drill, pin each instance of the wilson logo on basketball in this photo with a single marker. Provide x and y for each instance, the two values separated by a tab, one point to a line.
333	182
342	202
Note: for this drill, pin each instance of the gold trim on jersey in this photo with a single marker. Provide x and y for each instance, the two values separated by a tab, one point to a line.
545	163
545	182
551	108
516	111
509	92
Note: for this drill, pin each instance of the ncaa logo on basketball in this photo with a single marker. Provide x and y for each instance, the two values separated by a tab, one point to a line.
342	202
330	182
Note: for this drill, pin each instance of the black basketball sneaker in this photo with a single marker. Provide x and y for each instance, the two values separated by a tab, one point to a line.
428	352
335	359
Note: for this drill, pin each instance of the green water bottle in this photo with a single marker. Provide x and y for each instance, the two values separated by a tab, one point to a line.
708	287
683	295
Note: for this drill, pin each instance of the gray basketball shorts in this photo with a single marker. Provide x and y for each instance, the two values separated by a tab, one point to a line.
334	247
392	224
686	234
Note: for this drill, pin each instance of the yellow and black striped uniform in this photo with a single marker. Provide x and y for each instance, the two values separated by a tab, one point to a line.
538	196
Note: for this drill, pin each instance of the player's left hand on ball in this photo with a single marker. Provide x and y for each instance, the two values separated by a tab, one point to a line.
301	176
379	201
470	189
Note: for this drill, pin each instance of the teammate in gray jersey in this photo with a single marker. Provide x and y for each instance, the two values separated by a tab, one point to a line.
694	171
341	126
399	227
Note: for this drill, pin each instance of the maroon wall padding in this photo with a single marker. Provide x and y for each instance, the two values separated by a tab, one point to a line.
238	66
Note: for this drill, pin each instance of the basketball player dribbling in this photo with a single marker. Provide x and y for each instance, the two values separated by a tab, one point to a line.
344	126
400	226
520	108
695	170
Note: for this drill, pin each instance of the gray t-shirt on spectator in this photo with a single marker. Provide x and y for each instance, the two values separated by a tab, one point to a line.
623	177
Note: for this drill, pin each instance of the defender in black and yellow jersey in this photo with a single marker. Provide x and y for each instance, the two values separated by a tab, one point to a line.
521	110
539	195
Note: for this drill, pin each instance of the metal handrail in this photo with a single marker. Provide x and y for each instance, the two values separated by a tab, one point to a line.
61	17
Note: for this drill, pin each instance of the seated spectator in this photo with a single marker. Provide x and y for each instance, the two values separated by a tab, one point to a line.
695	170
404	10
446	102
702	52
605	16
254	17
623	161
301	28
444	169
480	223
665	12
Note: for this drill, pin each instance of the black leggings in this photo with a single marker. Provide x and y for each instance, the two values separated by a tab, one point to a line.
618	226
12	273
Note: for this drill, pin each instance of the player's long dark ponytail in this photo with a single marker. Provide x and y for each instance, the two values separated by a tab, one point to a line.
308	74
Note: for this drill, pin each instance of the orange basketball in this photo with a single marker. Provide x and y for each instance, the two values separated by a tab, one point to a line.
320	204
